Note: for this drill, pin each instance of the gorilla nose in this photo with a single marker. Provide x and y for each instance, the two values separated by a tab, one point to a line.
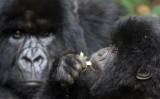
33	58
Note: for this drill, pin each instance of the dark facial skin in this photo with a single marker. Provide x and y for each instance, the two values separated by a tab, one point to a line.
32	60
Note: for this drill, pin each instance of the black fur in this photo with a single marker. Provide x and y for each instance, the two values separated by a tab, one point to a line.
133	70
51	26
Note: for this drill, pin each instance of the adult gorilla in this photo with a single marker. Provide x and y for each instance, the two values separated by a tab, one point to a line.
34	32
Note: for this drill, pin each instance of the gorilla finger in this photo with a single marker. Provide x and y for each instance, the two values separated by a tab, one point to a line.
62	62
70	80
81	60
74	63
78	67
74	74
60	74
74	70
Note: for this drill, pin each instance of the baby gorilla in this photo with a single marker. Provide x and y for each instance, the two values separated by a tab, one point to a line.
131	63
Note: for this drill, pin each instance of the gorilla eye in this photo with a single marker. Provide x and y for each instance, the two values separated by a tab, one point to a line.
17	34
45	34
115	49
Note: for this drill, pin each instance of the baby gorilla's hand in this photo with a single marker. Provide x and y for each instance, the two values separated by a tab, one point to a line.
68	69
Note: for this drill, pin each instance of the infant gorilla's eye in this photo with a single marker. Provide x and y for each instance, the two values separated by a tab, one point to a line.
17	34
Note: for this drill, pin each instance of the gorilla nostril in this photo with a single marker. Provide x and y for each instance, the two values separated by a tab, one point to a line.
30	60
39	58
26	59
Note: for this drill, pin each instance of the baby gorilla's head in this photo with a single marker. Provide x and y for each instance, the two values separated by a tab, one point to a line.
133	70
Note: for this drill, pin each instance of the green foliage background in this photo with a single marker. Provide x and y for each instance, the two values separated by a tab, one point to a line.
142	7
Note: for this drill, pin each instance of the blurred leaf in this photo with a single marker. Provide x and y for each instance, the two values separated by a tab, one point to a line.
156	10
143	9
146	2
129	4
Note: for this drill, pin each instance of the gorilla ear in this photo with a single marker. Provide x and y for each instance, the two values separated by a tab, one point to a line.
135	31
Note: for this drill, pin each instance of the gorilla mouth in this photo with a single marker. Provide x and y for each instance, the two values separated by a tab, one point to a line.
31	83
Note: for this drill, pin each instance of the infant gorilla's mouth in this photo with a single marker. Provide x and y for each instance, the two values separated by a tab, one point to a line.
31	83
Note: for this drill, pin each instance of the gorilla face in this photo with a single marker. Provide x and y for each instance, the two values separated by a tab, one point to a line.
32	59
32	33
